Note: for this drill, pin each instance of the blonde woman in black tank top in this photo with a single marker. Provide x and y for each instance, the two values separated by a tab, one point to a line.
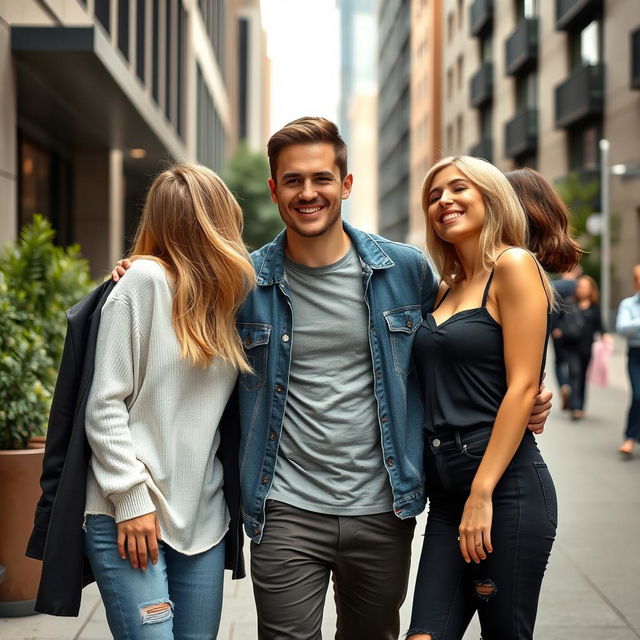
479	358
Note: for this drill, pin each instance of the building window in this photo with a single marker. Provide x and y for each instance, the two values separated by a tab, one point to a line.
460	67
169	24
526	9
123	27
141	16
450	20
449	82
585	46
459	130
44	180
460	13
583	148
486	48
102	11
155	21
486	122
450	138
527	91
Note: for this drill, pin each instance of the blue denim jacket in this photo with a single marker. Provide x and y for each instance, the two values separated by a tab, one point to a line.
399	286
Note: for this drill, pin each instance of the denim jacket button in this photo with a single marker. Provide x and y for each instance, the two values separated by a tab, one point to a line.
279	388
264	479
384	419
256	531
247	340
409	324
273	436
389	462
285	338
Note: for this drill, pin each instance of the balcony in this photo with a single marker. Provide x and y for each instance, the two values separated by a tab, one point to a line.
481	85
574	14
580	97
482	149
522	47
481	17
521	133
635	59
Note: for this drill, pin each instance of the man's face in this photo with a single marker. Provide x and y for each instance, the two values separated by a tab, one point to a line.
308	189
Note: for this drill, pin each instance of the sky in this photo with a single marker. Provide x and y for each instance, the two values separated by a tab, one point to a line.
303	42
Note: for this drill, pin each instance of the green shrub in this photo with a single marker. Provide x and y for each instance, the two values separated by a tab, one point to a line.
40	281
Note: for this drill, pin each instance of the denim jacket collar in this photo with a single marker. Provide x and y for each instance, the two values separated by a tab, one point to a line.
370	252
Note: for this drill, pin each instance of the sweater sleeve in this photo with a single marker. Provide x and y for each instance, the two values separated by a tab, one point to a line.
120	476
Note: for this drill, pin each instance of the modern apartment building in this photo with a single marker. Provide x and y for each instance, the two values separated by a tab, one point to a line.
96	96
394	118
357	115
254	77
538	83
426	105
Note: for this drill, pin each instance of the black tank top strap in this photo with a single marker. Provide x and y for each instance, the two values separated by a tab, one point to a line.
485	295
446	293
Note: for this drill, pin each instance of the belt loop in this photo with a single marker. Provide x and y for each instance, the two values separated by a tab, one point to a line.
458	439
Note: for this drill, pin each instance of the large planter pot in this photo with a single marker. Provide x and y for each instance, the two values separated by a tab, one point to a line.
19	478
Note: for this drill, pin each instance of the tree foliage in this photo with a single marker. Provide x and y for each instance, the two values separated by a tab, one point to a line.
246	176
40	281
581	195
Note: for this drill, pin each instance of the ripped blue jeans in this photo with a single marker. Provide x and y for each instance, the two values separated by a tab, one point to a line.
504	588
179	597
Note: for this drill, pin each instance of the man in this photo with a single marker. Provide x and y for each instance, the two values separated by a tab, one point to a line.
331	420
628	324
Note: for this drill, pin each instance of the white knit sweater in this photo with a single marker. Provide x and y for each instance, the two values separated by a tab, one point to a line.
152	418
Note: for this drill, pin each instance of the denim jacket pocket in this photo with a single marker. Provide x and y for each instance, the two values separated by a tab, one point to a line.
255	340
402	323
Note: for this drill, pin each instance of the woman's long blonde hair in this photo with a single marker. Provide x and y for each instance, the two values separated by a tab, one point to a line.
505	222
192	223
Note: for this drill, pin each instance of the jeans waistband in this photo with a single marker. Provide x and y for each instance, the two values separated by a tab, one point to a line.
460	437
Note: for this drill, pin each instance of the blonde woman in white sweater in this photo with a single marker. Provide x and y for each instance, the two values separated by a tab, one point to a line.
167	359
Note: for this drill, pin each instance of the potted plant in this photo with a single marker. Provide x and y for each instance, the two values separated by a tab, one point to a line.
38	282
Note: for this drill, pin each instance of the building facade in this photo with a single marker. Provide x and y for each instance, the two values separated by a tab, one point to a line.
539	83
426	105
394	118
357	114
98	95
254	77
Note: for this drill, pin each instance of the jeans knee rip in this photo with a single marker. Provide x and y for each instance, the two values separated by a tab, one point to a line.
485	589
420	632
156	611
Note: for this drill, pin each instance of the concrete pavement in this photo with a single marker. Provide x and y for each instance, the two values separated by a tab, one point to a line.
592	587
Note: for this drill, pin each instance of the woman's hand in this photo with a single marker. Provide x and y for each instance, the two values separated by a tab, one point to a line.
475	527
140	537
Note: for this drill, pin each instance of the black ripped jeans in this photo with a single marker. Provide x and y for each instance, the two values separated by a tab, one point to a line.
504	588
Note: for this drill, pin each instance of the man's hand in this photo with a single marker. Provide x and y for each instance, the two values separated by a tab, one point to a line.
541	410
120	269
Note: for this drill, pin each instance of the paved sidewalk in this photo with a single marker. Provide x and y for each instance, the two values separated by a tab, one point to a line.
592	588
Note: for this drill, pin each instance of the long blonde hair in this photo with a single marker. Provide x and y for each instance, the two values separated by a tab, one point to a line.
192	223
505	222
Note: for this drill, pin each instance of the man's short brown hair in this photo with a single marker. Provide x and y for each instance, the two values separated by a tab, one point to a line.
307	130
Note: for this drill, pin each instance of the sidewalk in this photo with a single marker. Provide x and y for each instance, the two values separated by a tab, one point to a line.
592	587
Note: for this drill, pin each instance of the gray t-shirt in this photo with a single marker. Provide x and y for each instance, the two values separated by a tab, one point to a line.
330	459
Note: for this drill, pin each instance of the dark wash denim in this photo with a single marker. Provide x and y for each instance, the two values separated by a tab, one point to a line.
633	419
504	588
400	288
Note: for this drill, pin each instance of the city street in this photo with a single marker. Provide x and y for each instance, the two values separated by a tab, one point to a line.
592	588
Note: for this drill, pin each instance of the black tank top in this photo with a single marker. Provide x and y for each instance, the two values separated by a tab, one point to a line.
461	369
